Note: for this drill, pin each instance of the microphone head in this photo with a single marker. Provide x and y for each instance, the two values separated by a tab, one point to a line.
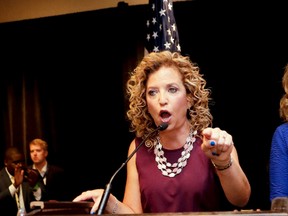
163	126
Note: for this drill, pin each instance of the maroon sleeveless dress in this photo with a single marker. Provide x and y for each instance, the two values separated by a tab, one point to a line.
195	189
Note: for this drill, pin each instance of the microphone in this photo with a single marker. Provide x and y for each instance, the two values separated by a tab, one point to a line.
106	193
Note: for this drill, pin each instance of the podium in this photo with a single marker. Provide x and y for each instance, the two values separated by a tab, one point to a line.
60	208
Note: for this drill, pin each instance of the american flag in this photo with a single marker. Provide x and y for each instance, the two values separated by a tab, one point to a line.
161	26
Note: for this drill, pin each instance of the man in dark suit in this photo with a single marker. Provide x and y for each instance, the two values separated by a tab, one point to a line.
15	190
52	186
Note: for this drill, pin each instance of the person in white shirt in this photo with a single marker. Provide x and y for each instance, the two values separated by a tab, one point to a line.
52	185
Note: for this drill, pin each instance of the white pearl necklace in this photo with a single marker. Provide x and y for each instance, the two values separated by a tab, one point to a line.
174	169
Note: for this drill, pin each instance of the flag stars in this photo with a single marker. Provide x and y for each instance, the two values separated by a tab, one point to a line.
162	30
168	31
167	45
173	27
156	49
148	23
148	37
178	47
162	12
155	35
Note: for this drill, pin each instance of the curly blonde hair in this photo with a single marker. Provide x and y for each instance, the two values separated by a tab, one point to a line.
283	110
198	115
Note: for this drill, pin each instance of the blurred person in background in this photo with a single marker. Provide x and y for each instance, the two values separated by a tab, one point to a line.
15	183
278	163
51	187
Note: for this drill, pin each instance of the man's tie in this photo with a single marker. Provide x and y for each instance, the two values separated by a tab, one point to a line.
17	198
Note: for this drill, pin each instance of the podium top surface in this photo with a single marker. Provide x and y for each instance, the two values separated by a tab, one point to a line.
83	209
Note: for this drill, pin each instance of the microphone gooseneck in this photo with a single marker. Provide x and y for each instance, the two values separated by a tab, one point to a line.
106	193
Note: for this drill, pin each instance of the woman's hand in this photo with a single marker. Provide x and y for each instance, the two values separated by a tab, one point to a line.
18	175
217	145
94	195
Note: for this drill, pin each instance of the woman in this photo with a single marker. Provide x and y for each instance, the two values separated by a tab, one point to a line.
188	165
278	167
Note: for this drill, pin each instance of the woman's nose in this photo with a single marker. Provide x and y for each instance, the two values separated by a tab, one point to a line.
162	99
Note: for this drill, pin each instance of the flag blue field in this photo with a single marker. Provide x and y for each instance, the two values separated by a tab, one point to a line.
162	32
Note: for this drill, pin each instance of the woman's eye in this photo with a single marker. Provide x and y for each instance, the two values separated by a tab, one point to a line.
152	92
172	90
